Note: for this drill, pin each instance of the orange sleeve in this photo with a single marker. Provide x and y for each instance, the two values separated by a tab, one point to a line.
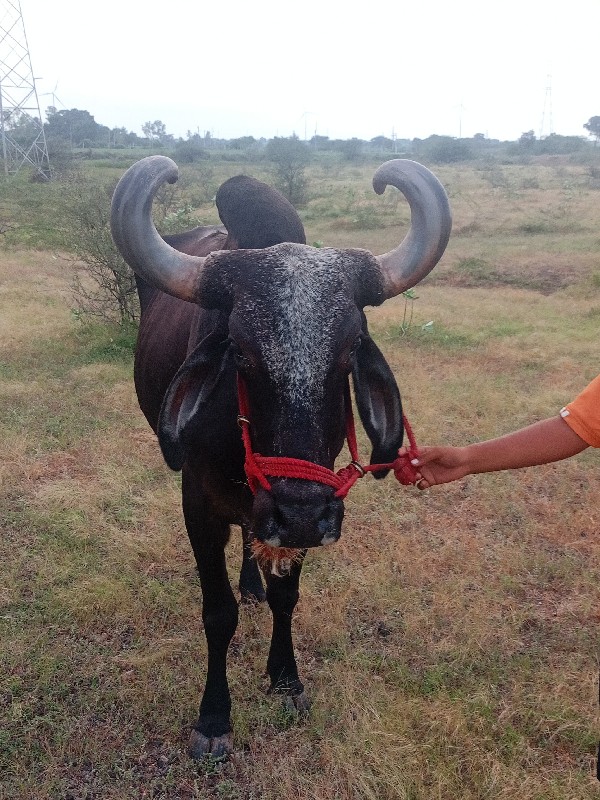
583	414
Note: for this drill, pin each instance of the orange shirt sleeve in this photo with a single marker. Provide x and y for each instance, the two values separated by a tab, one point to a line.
583	414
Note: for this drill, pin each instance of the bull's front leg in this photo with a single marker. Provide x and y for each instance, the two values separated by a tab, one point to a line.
212	733
282	596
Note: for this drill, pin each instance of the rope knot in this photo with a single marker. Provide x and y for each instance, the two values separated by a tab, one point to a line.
404	471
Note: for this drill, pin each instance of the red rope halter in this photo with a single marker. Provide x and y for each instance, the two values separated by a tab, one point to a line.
257	467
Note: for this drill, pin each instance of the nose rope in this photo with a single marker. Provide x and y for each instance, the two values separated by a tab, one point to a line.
257	467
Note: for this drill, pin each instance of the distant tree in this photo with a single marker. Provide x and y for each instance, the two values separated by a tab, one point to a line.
121	137
351	149
290	157
383	143
155	131
242	143
318	142
555	144
192	149
593	127
443	149
23	129
527	139
75	126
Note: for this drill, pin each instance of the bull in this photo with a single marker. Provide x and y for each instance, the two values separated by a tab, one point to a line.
250	308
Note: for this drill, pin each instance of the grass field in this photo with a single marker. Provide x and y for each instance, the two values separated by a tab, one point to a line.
449	640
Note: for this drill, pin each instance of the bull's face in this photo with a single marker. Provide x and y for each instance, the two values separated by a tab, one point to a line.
295	333
293	328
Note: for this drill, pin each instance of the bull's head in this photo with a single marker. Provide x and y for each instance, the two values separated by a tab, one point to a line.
291	324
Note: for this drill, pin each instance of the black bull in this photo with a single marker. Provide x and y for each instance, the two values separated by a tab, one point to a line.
253	300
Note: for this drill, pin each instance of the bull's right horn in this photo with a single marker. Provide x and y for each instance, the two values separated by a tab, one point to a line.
431	222
138	240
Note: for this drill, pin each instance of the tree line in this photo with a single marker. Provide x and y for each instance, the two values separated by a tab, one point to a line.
76	129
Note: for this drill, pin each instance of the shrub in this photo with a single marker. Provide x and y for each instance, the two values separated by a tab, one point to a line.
103	284
189	152
290	157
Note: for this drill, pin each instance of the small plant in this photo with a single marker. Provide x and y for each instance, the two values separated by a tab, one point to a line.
409	309
181	219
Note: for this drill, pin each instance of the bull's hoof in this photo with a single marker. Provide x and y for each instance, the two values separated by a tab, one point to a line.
297	704
201	746
295	700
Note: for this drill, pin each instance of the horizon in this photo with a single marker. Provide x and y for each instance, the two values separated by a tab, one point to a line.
585	136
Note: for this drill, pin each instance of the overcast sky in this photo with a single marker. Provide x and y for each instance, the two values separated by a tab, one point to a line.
340	69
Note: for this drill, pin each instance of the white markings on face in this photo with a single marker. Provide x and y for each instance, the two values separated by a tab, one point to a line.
309	297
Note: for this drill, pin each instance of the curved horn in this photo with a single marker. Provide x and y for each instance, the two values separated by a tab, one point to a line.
431	222
138	240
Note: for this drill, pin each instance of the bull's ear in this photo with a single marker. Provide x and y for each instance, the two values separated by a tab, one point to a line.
378	401
188	393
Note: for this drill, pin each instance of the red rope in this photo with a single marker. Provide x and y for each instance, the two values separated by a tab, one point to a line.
257	467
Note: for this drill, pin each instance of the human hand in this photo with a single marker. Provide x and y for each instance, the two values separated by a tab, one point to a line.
437	465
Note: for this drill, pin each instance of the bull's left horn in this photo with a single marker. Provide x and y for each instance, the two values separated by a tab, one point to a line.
431	222
138	240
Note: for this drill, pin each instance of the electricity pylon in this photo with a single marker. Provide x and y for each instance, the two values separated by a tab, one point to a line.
21	127
546	124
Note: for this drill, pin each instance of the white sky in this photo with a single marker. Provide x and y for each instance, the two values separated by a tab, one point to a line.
342	69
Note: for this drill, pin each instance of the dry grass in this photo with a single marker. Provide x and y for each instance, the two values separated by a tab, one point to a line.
449	640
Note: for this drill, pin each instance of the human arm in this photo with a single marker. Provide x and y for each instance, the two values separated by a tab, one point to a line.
541	443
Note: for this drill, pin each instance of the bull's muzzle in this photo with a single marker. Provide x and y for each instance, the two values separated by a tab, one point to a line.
297	514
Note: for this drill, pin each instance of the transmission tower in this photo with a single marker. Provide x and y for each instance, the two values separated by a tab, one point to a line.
546	124
21	128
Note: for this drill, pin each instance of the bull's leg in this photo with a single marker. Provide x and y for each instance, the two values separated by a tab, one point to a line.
208	534
251	586
282	596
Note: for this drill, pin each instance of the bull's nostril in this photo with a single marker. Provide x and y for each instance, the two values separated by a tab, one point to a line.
297	515
325	524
